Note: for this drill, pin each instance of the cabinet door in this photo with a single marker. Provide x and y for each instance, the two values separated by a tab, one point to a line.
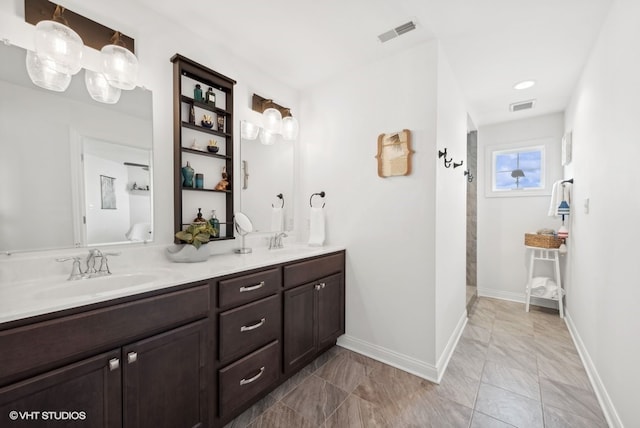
165	380
330	310
86	393
299	325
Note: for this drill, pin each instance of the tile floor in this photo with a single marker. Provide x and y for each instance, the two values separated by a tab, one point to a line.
509	369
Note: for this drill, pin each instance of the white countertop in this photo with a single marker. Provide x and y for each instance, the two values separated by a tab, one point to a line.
31	286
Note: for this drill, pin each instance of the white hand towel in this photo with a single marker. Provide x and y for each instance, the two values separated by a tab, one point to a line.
276	219
556	198
316	227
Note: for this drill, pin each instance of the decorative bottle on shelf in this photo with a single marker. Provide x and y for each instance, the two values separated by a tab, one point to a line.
187	176
211	97
192	115
199	218
197	93
199	181
215	223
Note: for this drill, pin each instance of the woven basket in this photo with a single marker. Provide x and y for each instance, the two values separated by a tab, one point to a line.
541	241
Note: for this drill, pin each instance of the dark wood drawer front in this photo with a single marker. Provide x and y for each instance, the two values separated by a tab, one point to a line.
303	272
243	380
247	288
33	348
248	327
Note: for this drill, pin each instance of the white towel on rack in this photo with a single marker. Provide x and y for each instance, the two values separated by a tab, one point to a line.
316	227
560	192
277	216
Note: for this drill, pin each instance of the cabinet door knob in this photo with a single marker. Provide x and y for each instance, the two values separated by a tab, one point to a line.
254	326
252	287
322	285
114	364
252	379
132	357
318	287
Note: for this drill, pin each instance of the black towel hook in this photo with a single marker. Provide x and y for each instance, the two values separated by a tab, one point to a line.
279	196
321	194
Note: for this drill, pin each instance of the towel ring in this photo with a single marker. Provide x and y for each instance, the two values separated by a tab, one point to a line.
321	194
279	196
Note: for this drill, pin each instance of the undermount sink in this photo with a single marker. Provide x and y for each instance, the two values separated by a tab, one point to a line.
99	286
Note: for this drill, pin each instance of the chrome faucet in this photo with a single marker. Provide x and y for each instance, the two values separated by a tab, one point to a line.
91	271
276	240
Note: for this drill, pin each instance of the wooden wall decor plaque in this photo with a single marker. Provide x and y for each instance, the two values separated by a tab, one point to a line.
394	154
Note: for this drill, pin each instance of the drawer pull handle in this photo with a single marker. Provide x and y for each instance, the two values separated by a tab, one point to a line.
252	379
132	357
114	364
252	287
253	327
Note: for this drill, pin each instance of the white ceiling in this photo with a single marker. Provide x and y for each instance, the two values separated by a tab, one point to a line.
490	44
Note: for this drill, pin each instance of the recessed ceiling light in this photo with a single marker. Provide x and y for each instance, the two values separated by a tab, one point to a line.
524	84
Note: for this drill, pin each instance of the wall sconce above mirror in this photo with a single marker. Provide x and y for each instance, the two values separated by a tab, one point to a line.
276	120
60	36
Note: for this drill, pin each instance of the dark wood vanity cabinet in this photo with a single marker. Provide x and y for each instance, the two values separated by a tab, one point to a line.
313	319
191	356
159	380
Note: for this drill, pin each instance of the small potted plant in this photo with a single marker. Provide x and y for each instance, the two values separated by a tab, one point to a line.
195	236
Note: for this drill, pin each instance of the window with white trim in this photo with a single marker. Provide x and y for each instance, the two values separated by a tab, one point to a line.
518	169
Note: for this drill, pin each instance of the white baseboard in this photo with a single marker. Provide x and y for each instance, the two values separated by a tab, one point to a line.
613	419
443	361
404	362
515	297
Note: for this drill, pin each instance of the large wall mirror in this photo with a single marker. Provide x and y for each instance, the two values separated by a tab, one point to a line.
266	179
73	172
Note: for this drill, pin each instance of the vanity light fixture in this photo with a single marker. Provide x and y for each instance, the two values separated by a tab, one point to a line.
119	64
57	45
59	48
277	120
248	130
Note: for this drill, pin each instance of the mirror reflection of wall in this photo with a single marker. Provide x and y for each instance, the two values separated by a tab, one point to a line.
270	173
117	193
41	133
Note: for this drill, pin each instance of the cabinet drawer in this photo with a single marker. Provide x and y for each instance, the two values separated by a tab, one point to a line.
308	271
36	347
248	327
243	380
247	288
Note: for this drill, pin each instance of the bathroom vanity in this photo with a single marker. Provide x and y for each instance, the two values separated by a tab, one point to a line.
192	354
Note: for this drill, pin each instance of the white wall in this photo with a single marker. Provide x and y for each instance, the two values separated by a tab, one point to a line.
503	221
602	287
451	211
387	224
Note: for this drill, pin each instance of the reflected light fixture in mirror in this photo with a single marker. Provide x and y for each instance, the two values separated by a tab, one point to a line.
42	73
99	89
267	138
58	45
248	130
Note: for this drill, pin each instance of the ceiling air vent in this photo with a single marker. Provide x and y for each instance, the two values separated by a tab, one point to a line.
522	105
398	31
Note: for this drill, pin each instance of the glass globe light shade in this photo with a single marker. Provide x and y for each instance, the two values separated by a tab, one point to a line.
42	74
59	44
99	89
289	128
272	120
119	66
248	130
267	137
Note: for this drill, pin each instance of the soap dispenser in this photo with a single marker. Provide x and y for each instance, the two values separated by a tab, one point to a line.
215	223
